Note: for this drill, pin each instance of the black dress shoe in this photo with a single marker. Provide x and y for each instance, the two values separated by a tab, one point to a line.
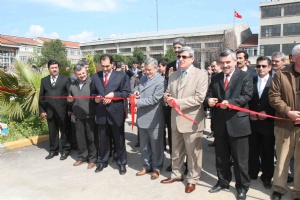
51	155
64	156
122	170
276	196
100	167
169	168
241	196
218	187
267	184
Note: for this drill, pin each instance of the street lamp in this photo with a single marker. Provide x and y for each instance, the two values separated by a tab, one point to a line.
156	15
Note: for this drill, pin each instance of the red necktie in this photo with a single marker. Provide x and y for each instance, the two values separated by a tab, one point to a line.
226	82
105	79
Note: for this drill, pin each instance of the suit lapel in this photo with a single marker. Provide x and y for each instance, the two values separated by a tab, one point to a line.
267	86
58	80
147	83
100	75
111	77
188	77
255	91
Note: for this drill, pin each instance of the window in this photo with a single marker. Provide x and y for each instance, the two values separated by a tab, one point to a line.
23	58
156	56
252	51
195	46
143	48
268	50
157	48
292	9
270	11
111	51
125	50
213	44
99	51
291	29
287	48
270	31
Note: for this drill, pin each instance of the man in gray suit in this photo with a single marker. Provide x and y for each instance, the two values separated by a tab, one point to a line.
150	118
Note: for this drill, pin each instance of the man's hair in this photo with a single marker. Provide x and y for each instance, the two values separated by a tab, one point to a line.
107	56
78	67
217	62
83	62
228	52
5	67
151	61
246	55
163	61
52	62
296	50
180	41
260	58
118	65
280	55
188	49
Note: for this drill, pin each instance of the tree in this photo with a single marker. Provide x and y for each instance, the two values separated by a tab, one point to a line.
119	58
138	54
19	91
170	55
56	50
92	66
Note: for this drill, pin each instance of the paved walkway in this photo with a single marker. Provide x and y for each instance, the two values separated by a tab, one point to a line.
26	175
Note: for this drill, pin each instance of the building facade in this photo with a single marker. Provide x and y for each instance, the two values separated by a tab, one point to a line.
206	41
23	49
279	26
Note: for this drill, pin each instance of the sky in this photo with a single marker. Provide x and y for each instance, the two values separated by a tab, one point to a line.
88	20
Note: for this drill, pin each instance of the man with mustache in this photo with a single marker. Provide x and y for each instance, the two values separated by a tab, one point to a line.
242	61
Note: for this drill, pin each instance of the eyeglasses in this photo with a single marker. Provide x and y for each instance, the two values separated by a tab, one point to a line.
183	57
263	66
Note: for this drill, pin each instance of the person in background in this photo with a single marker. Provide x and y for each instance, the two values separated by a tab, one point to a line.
242	63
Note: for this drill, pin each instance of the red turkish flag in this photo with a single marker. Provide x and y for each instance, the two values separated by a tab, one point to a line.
237	15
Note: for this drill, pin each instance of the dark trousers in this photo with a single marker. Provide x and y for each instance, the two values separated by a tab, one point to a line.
261	145
167	112
56	124
85	129
104	147
237	148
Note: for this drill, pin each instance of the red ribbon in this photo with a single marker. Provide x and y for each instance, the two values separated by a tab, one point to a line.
233	107
175	106
132	107
9	90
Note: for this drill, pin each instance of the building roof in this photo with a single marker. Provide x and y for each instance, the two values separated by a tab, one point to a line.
199	31
250	41
67	43
8	39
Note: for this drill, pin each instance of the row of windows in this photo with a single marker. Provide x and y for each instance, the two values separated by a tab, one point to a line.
275	30
268	50
275	11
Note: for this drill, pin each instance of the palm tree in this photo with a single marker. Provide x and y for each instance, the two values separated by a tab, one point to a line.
19	91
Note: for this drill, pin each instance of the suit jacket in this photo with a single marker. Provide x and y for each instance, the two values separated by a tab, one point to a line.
262	104
114	112
171	64
190	94
150	113
251	70
51	106
238	93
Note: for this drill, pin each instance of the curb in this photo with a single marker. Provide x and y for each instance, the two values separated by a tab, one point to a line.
23	143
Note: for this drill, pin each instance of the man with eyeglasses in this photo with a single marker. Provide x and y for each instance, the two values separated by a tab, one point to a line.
172	67
55	109
284	98
232	128
262	140
187	88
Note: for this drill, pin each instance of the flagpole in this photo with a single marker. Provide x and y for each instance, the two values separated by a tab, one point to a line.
233	33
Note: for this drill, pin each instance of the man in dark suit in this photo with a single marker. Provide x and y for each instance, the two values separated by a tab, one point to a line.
242	61
232	128
262	140
110	114
171	67
55	109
